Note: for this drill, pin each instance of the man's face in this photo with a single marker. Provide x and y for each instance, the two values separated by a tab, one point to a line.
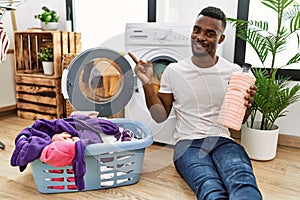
207	34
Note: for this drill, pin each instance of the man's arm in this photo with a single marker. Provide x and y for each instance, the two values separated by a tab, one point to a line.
159	105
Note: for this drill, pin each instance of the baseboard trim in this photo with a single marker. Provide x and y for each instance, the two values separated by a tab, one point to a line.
283	139
8	110
289	140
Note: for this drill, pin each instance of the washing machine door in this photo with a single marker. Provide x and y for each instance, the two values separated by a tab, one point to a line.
98	79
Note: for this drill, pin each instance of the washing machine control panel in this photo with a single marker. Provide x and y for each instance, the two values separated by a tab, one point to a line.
158	34
161	34
171	35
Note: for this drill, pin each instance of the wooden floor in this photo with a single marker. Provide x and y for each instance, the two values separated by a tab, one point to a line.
278	179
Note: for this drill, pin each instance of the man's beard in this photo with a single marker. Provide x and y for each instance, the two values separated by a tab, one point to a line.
201	54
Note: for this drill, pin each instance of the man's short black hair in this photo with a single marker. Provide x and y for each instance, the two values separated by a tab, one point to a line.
214	12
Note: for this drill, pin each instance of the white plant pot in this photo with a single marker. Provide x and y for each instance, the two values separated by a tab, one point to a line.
50	26
260	144
48	67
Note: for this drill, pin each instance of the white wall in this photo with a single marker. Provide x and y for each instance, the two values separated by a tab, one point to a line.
24	19
7	84
33	7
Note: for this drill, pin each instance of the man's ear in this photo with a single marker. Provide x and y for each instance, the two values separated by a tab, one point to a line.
222	38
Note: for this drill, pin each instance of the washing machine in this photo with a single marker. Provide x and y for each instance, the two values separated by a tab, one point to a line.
102	79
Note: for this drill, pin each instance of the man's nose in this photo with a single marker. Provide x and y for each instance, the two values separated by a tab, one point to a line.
201	36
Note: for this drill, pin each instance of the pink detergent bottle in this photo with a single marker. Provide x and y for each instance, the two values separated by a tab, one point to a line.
233	108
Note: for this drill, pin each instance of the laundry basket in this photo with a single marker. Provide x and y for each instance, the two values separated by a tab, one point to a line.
107	165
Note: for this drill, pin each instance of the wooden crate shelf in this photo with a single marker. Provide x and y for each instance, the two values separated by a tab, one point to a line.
38	95
29	43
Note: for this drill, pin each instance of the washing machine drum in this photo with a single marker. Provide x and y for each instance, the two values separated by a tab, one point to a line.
98	80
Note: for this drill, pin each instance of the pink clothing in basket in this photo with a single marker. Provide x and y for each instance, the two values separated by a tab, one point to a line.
59	153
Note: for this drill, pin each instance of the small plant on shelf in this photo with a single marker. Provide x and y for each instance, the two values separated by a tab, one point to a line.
47	15
46	54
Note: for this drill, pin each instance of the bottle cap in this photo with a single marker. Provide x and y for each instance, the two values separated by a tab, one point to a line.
246	67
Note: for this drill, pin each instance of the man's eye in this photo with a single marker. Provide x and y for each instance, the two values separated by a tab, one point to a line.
196	31
210	34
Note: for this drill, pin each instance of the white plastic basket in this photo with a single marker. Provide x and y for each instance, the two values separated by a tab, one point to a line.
107	165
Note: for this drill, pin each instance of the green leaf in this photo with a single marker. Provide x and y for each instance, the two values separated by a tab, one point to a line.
294	59
295	23
46	54
47	15
271	4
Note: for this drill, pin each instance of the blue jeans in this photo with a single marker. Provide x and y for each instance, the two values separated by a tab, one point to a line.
216	168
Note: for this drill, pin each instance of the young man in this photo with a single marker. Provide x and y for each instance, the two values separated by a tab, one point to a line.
213	164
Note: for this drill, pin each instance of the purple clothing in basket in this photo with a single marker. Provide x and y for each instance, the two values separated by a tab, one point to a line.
31	141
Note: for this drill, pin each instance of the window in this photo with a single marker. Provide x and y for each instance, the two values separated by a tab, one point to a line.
102	22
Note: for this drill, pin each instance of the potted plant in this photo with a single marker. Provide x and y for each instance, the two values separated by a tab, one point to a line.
49	19
46	56
274	94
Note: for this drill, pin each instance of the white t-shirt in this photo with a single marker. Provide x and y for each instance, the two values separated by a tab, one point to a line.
198	94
